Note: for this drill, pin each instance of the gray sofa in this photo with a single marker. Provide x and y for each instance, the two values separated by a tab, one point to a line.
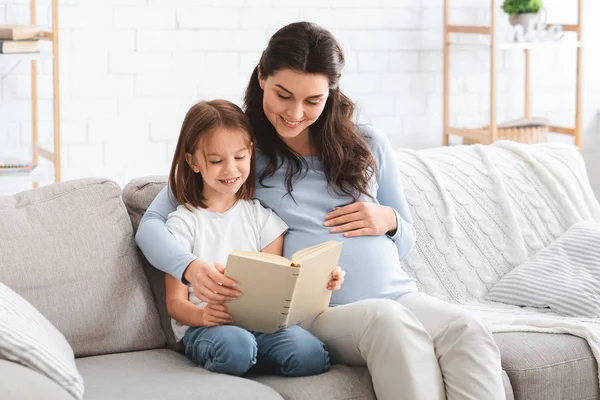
69	249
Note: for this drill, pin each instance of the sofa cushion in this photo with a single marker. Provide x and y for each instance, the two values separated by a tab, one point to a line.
340	382
545	366
28	338
137	195
564	276
69	249
160	375
25	383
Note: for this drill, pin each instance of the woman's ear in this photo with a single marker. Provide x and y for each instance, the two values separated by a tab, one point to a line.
261	79
190	160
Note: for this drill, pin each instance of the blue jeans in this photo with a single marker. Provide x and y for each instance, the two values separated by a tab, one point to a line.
232	350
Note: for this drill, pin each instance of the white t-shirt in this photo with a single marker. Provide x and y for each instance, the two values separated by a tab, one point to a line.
212	236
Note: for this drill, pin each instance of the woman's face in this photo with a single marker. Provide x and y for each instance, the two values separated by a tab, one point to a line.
293	100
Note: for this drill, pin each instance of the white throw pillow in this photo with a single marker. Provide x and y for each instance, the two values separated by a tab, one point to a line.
28	338
564	276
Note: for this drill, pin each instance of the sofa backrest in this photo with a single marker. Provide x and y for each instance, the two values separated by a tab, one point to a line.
137	196
480	211
69	249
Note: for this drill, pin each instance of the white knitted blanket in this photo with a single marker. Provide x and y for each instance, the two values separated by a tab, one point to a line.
480	211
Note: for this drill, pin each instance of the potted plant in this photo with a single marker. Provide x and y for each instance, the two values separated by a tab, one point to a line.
522	12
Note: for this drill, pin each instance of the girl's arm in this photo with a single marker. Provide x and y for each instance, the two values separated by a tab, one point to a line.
178	305
186	312
275	247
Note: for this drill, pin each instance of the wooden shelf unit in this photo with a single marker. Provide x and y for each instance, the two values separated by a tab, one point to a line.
52	155
490	135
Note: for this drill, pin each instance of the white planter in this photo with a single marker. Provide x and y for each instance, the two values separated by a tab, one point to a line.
526	20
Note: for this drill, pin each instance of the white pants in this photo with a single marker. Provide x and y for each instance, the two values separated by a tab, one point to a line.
416	348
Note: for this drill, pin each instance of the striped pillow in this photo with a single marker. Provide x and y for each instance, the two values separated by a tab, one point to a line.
564	276
28	338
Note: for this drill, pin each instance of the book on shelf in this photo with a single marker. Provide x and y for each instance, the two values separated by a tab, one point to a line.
19	46
15	166
277	292
19	32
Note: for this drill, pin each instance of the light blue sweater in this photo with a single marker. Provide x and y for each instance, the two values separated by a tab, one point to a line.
371	262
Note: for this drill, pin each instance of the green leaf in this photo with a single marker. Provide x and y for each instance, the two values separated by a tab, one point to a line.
515	7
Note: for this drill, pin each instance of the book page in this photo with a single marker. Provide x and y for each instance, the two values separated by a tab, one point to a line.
298	256
267	290
266	257
311	295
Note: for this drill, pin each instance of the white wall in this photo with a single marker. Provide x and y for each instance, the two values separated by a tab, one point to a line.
130	69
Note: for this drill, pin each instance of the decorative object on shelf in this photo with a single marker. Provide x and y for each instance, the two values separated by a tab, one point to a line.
528	23
528	19
527	129
523	130
538	32
523	12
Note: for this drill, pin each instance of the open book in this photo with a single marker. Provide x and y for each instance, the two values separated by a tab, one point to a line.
277	292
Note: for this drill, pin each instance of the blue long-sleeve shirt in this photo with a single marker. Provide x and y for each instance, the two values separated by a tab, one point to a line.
372	263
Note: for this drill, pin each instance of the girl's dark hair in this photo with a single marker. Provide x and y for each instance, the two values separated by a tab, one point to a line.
347	161
203	119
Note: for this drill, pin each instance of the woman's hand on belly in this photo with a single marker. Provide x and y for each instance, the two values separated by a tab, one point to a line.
362	218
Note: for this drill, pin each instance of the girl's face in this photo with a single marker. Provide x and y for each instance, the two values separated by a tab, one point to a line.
223	160
293	101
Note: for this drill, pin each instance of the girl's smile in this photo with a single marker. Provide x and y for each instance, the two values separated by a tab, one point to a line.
223	159
229	182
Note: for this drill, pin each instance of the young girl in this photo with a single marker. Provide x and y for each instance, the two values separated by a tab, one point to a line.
212	177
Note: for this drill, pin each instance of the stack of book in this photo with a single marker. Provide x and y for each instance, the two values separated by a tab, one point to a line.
19	39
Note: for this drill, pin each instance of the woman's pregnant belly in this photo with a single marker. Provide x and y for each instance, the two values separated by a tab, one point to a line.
371	264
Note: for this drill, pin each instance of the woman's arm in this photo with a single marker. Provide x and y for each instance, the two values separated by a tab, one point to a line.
391	193
166	254
390	214
158	244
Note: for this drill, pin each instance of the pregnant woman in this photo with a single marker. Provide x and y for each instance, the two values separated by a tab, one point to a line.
330	179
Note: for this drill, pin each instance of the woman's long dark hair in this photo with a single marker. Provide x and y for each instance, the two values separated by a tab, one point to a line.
347	161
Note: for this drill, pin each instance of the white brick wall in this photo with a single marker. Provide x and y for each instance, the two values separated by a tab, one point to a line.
130	69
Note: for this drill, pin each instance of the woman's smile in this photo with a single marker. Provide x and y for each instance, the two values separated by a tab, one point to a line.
291	124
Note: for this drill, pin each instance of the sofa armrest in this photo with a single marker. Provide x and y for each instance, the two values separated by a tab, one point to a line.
19	382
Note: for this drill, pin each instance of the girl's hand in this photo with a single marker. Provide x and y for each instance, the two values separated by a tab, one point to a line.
215	315
209	283
337	278
362	218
